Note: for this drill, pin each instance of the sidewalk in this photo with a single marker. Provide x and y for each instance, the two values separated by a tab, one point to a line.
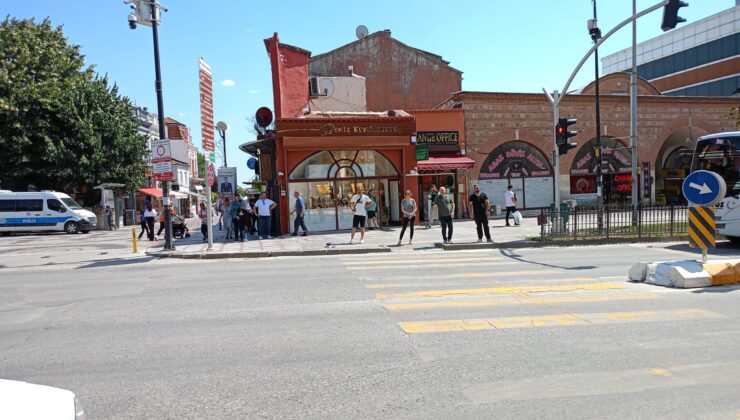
335	242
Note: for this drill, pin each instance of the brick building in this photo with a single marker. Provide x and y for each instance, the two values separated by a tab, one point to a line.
398	76
510	137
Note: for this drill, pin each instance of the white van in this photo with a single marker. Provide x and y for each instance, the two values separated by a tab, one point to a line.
43	211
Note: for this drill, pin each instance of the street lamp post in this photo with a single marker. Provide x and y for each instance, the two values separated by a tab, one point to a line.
155	10
595	33
222	128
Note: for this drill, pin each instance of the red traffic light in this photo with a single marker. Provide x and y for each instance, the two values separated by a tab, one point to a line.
561	130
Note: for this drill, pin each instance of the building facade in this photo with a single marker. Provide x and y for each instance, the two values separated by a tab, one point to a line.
397	76
697	59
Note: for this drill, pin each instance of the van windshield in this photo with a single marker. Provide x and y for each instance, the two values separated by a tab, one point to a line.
71	204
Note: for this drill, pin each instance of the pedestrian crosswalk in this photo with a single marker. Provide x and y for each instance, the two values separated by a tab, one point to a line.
474	291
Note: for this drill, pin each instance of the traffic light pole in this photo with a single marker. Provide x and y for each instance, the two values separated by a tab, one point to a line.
633	117
595	35
162	128
555	98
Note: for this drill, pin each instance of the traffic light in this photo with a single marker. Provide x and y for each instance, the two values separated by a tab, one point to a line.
562	134
670	14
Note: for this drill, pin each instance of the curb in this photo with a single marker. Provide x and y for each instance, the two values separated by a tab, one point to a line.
488	245
204	255
687	274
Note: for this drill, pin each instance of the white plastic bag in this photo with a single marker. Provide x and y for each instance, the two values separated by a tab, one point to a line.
518	218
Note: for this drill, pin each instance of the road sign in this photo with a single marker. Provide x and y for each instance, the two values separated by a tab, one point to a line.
162	170
704	188
210	174
161	150
701	227
161	160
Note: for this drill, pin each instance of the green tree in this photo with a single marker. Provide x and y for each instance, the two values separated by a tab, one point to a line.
61	125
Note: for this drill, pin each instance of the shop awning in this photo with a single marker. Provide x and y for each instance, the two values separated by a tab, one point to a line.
157	193
154	192
437	163
192	194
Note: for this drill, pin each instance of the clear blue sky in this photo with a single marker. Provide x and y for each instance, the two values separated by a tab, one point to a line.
505	46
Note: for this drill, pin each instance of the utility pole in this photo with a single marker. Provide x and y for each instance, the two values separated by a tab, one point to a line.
596	36
222	128
633	116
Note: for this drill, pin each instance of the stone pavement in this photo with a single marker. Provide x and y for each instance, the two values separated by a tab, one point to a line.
335	242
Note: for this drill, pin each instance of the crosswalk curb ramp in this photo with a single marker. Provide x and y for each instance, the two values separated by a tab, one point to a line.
687	274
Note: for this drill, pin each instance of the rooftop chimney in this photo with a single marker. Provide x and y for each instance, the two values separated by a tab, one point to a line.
352	68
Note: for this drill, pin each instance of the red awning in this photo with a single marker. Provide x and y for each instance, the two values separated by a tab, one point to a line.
436	163
154	192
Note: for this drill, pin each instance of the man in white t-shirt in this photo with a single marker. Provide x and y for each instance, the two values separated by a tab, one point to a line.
510	198
359	204
264	208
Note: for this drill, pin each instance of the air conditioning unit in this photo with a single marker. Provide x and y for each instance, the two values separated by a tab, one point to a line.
313	86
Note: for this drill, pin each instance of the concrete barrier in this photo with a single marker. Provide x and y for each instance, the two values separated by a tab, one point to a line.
687	274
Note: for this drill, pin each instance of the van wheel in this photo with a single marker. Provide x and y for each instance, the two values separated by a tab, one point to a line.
71	227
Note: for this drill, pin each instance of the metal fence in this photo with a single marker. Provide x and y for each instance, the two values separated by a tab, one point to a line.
616	222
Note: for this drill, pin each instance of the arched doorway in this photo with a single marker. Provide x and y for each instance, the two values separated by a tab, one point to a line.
522	165
328	180
616	167
673	164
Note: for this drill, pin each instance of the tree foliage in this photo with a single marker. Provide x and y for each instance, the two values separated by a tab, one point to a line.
61	125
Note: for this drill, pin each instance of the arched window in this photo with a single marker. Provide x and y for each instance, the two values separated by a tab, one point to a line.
344	164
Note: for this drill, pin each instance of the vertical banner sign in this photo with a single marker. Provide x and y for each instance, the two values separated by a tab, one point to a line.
646	179
206	130
206	108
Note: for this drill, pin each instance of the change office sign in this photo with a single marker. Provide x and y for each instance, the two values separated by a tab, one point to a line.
438	137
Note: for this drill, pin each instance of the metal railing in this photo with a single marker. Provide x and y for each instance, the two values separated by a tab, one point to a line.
582	223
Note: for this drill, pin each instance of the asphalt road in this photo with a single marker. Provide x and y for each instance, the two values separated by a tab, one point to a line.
527	333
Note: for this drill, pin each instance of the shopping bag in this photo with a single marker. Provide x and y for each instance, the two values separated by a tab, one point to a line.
518	218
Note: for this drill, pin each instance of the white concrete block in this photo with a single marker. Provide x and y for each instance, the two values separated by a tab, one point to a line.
657	273
689	274
638	272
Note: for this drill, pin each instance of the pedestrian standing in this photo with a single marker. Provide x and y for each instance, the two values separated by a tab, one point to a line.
445	209
203	215
408	206
434	212
239	211
299	209
264	209
359	204
142	221
109	217
372	211
150	214
227	219
510	201
161	220
481	206
220	210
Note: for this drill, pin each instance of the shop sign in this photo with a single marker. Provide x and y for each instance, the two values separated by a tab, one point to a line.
357	129
622	183
515	159
422	152
438	137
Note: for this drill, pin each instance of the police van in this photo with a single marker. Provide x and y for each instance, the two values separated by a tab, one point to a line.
43	211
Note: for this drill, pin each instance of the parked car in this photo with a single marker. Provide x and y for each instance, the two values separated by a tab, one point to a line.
43	211
22	400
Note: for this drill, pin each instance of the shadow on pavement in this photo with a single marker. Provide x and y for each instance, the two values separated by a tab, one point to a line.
724	249
718	289
514	256
116	262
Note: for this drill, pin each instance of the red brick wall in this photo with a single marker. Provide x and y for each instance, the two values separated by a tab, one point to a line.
397	76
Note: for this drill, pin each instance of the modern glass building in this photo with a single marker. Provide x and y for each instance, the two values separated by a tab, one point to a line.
697	59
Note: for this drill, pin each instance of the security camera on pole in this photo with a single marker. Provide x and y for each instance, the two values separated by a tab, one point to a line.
147	13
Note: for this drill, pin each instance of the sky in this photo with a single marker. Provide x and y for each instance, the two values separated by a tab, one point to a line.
500	45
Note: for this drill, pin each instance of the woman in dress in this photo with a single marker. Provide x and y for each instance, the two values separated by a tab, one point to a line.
408	206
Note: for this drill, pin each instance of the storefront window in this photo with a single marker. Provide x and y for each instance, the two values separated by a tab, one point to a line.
332	164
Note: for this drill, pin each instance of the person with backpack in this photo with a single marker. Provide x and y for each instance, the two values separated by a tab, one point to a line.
359	204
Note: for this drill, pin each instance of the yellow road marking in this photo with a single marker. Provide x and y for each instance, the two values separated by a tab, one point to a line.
554	320
661	372
400	264
501	290
492	281
417	260
520	300
461	275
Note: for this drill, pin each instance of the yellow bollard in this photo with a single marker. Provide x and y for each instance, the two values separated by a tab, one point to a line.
133	239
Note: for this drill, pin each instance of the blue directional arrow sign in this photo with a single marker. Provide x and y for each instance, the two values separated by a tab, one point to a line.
704	188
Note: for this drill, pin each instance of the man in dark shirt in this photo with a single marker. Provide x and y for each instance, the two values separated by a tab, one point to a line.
480	207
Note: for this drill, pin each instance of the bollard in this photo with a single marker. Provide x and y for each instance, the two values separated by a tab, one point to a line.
133	239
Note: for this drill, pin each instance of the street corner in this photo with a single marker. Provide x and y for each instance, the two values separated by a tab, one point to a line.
687	274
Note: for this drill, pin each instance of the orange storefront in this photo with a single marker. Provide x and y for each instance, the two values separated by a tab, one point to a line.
326	158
